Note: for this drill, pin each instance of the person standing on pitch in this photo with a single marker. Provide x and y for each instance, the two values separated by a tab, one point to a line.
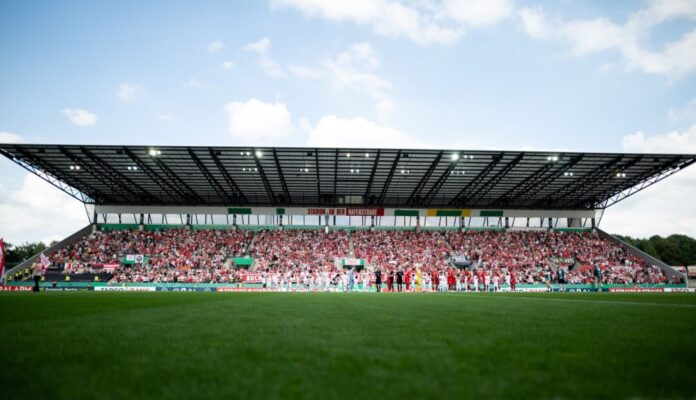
597	277
561	278
419	279
399	279
37	271
378	279
351	280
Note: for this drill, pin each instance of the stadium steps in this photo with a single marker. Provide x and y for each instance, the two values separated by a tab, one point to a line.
65	242
351	246
650	260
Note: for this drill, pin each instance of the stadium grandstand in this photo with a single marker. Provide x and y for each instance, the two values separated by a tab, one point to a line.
343	219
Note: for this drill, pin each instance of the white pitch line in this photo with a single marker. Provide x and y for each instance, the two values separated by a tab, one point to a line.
635	303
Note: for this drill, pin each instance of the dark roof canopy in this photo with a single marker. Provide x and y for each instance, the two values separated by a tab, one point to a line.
264	176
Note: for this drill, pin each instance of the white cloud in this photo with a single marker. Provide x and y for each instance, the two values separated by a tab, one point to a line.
351	70
8	137
588	36
129	92
267	64
686	113
534	22
419	21
195	83
260	47
478	12
271	68
228	65
255	120
305	72
165	117
332	131
216	46
45	212
672	142
80	117
666	207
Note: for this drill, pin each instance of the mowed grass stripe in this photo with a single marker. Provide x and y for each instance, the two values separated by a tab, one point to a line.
316	345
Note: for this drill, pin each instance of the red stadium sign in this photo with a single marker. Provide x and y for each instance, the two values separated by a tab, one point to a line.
14	288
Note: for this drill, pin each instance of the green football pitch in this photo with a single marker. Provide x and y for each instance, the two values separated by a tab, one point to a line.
352	345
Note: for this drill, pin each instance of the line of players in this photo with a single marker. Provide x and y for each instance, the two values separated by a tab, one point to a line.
433	280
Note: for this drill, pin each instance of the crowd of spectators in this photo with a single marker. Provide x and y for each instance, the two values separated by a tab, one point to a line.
173	255
530	254
313	256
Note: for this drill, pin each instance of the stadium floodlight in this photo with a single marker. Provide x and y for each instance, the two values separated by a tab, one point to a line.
620	174
357	171
403	171
256	170
259	154
132	168
455	156
154	152
567	174
347	155
248	153
367	155
306	170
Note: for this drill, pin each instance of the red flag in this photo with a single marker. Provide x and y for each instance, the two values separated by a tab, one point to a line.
2	258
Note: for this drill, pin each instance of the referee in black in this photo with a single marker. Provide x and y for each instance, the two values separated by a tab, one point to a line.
378	279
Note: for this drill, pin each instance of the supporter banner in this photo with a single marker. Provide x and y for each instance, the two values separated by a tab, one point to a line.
111	267
562	260
353	261
251	278
15	288
64	288
636	290
134	259
185	289
680	290
125	288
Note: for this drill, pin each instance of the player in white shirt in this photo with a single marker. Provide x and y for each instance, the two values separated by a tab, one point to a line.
443	282
496	283
344	281
487	282
475	278
366	281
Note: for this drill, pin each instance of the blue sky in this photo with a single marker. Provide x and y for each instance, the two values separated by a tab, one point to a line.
580	75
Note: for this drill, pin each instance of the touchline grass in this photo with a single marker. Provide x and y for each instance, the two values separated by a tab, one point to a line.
352	345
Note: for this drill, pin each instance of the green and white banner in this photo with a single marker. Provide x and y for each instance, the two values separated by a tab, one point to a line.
134	259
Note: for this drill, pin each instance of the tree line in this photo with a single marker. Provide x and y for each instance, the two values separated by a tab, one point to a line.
14	254
678	250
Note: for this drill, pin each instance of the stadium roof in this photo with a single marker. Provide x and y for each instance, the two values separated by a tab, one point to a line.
272	176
